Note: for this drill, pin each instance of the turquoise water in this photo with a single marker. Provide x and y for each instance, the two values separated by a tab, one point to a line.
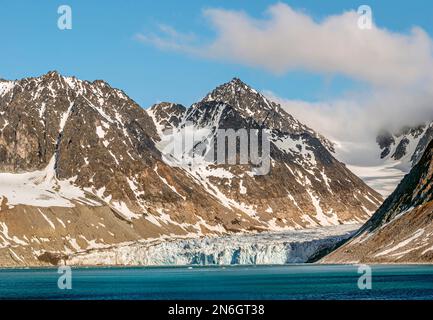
237	282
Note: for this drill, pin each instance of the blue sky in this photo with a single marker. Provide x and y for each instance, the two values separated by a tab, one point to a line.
102	45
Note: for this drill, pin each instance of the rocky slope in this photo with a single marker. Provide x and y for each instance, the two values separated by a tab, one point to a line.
81	168
401	231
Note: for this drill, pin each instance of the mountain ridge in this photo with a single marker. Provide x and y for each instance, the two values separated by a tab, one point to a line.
83	160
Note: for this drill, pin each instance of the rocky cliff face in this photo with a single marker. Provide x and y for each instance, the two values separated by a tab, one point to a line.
401	231
81	168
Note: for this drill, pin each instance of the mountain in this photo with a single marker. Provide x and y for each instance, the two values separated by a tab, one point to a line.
405	147
307	185
251	104
401	231
83	167
397	153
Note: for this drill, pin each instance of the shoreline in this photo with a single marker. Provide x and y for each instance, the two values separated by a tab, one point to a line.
125	267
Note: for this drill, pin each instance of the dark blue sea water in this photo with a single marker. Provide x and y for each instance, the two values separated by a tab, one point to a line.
237	282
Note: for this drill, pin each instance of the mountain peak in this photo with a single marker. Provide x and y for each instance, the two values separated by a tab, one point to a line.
252	104
237	94
238	81
53	74
234	86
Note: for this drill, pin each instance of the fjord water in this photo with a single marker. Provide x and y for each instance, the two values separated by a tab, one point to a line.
235	282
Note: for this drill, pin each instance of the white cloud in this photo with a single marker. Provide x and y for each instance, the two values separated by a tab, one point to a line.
169	39
290	40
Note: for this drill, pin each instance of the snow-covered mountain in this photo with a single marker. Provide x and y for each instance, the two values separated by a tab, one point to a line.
394	155
401	231
405	147
253	105
308	187
81	168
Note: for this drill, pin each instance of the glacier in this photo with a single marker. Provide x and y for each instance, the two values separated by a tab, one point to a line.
295	246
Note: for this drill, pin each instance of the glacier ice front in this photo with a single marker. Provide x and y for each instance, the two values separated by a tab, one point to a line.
261	248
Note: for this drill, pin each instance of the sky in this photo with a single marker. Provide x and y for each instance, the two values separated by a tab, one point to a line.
103	44
310	55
